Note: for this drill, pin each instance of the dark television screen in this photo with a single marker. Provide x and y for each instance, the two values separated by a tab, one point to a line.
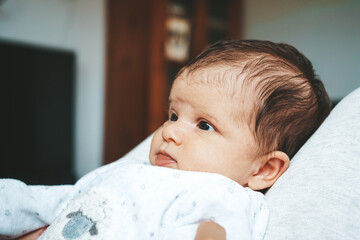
36	127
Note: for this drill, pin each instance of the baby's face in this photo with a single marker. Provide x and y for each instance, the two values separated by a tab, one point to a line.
203	134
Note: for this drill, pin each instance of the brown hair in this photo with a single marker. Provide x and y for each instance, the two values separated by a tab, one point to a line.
291	101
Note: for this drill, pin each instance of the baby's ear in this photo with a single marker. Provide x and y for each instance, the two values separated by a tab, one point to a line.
272	166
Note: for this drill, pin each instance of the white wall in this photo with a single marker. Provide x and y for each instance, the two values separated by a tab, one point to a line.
326	31
76	25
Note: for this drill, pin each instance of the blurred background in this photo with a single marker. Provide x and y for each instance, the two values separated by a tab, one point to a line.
84	81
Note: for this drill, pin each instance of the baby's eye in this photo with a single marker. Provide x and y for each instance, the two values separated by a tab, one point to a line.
206	126
173	117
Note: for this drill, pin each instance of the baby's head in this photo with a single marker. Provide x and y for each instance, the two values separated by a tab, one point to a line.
241	109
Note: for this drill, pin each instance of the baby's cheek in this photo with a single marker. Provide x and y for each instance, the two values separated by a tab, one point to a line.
152	156
152	160
155	143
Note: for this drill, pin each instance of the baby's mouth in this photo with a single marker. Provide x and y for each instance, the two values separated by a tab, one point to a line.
164	160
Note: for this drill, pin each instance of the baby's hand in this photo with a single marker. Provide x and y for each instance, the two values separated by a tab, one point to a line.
34	235
210	231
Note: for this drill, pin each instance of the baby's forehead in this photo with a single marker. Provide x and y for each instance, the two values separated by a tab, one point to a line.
225	79
230	81
229	84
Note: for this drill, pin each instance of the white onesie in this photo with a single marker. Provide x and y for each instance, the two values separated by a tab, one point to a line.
127	200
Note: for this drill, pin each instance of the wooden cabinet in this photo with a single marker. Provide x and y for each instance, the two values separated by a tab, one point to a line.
138	70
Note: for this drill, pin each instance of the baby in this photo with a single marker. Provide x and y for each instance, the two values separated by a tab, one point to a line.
241	109
237	113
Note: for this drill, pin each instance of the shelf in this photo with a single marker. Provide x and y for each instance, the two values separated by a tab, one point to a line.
139	74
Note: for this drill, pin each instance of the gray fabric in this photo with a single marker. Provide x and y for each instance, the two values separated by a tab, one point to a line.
319	196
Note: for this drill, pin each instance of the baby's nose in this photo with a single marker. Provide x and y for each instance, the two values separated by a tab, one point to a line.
173	132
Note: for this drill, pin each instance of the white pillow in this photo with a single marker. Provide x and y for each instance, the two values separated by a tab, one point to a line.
140	153
318	197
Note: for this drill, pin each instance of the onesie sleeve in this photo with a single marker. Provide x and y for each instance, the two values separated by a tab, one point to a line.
25	208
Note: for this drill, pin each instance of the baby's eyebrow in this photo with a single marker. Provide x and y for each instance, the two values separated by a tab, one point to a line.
173	101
